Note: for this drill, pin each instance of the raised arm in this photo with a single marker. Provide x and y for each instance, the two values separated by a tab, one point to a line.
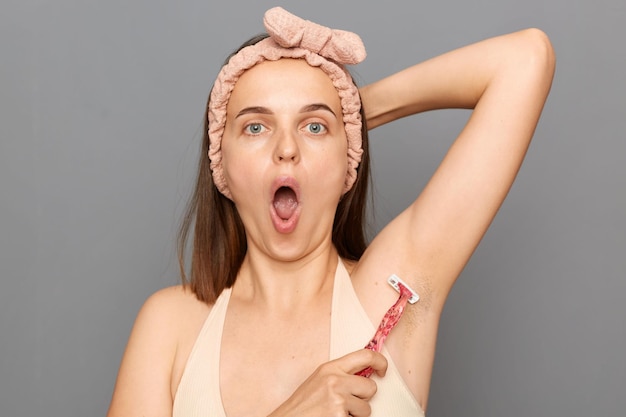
505	80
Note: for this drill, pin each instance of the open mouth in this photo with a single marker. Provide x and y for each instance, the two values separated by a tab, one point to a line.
285	202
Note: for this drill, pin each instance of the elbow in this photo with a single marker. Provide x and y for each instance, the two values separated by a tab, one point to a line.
538	51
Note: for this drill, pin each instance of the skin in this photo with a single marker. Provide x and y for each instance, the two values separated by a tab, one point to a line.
286	279
286	100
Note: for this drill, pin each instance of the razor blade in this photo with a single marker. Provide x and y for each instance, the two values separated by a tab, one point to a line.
395	280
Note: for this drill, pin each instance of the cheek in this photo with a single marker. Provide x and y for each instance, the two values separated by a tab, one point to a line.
229	164
238	167
338	166
333	168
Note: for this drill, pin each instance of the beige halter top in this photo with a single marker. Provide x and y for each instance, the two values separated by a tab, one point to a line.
198	394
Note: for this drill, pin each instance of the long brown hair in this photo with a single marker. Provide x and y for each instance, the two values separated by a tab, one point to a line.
219	237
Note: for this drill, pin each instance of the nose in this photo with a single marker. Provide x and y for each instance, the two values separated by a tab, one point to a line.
287	149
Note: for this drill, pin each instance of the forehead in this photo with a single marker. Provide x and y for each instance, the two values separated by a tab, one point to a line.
284	82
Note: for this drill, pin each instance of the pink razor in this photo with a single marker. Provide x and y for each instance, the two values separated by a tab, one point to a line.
391	318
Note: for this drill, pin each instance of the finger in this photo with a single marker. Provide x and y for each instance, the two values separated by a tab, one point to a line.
379	364
358	407
361	359
363	388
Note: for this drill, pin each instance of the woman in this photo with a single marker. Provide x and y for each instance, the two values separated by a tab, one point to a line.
283	293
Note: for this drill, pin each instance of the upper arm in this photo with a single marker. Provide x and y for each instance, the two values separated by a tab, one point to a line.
143	383
435	236
430	242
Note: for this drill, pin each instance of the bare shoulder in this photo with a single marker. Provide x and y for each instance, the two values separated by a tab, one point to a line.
157	350
174	302
179	315
170	314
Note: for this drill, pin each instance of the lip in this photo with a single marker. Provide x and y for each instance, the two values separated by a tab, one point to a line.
289	225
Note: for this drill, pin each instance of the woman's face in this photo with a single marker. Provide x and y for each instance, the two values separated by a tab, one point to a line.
285	156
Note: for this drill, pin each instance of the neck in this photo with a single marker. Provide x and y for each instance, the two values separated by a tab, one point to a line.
280	284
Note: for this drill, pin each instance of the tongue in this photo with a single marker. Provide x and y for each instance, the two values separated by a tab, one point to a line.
285	202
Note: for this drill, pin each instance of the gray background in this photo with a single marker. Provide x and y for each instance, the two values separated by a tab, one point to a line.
101	105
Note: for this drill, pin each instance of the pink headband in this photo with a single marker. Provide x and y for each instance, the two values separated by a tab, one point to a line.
292	37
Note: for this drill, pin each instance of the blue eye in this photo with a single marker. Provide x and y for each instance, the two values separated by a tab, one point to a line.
254	128
316	128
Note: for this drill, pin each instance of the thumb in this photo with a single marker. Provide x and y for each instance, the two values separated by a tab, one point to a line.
361	359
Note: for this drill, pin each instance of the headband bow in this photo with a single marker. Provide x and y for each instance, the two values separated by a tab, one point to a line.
290	31
292	37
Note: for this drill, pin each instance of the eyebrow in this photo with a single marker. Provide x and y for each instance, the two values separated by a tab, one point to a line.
306	109
254	110
315	107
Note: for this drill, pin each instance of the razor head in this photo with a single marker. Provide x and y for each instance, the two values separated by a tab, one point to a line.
395	282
